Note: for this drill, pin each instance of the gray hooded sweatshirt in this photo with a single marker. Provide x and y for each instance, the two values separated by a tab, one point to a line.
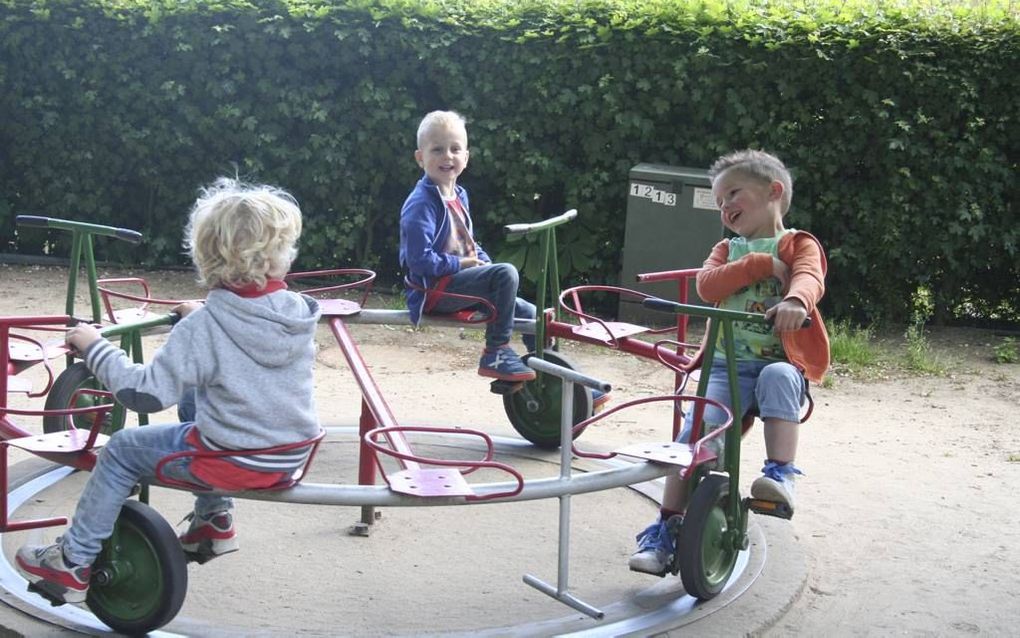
250	360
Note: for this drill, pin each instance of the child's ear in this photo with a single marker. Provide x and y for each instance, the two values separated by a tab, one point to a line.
776	190
418	158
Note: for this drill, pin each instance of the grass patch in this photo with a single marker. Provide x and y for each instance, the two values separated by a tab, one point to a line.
1008	351
851	346
919	356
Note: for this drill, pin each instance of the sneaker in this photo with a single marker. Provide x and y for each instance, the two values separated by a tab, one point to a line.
209	536
49	574
776	483
503	363
599	399
655	550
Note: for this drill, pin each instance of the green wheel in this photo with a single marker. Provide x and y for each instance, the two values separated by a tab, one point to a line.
67	393
534	410
141	576
705	553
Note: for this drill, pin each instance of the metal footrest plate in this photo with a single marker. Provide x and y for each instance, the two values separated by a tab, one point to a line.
430	482
617	330
338	307
58	442
681	454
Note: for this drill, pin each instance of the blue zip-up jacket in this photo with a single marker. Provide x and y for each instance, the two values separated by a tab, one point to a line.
424	231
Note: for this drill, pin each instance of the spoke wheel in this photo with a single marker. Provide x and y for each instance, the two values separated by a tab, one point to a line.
534	411
705	554
67	393
141	577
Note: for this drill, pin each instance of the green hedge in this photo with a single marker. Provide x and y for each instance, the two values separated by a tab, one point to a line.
902	124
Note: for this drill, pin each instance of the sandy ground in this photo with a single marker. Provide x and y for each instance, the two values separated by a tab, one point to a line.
907	511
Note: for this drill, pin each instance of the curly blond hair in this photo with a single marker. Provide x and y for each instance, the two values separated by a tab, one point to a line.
240	234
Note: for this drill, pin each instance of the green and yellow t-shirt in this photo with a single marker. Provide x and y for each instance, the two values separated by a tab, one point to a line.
754	341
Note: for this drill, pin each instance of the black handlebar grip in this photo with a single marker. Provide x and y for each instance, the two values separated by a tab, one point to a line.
663	305
32	220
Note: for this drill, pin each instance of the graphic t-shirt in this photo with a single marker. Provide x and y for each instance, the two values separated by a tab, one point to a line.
460	243
754	341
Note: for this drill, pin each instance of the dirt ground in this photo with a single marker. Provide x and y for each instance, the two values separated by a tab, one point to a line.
907	510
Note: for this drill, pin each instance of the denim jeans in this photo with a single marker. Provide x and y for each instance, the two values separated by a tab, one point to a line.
498	284
775	388
130	456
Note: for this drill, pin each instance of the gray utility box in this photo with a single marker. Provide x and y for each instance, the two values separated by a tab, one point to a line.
672	223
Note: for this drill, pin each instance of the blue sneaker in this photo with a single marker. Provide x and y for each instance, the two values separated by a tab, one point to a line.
776	483
503	363
655	549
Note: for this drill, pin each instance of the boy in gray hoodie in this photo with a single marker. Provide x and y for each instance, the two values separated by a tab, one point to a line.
248	353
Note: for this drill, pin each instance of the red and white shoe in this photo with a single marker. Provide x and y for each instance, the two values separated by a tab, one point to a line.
209	536
50	575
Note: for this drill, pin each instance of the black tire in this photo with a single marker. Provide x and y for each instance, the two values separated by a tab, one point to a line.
705	554
139	585
534	411
62	396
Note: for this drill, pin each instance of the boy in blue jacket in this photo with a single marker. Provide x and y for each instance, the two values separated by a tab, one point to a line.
439	252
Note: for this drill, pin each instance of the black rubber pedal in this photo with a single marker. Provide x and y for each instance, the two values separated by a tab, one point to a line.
505	387
55	600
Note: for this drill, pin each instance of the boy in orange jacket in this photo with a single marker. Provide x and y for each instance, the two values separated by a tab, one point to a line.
765	266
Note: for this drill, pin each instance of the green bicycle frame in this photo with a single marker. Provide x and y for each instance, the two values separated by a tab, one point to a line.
723	320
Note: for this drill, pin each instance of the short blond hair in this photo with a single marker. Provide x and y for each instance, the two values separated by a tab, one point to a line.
240	234
435	119
757	165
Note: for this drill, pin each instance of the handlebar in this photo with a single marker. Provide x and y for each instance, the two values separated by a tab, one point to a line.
664	305
35	221
144	324
569	375
668	275
519	230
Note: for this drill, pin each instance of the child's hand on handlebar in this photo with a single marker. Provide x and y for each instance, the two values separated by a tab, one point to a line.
82	336
787	315
186	308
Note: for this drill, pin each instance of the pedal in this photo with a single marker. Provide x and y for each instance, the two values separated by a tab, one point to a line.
769	508
45	593
505	387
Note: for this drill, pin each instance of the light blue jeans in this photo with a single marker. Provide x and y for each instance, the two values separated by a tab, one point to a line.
131	456
775	389
498	284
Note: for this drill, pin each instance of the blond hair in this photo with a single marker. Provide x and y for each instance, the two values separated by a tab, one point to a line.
240	234
435	119
757	165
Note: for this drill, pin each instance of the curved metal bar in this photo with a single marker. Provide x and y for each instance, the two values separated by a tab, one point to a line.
534	489
488	315
312	444
487	462
676	399
367	277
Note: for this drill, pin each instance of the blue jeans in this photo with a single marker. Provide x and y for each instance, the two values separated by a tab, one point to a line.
776	389
496	283
130	456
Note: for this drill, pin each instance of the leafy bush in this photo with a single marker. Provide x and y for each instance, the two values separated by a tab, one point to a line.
900	120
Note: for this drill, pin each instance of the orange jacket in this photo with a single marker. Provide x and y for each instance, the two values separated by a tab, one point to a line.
808	348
